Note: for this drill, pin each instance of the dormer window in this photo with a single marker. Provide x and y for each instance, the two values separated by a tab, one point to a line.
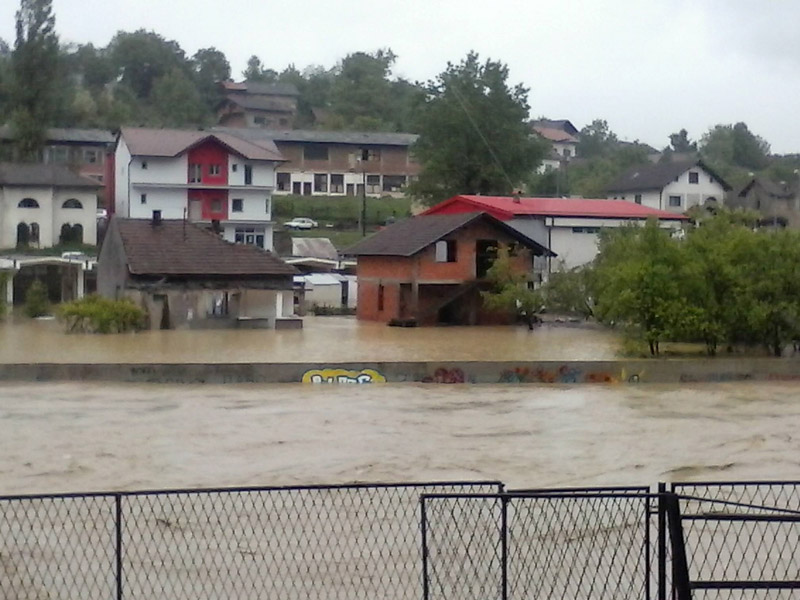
694	177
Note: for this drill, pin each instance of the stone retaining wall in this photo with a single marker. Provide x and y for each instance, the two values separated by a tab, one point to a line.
557	372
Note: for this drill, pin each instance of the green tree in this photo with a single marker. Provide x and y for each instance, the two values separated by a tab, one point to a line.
571	291
474	133
142	57
176	101
361	92
210	68
35	69
680	142
256	71
509	289
36	304
596	139
734	150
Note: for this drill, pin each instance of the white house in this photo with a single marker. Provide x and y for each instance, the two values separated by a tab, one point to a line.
44	205
567	226
671	186
563	137
213	178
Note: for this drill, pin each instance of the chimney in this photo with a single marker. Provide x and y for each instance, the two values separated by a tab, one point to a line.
156	218
515	196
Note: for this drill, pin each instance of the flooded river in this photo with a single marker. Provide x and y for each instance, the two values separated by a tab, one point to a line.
82	437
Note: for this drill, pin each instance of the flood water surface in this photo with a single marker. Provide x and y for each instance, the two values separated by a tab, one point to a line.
329	339
84	437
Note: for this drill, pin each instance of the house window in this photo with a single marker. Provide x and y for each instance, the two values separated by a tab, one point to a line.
237	205
297	188
219	306
259	121
195	173
393	183
373	184
143	199
267	206
144	165
216	205
567	152
91	156
320	182
694	177
248	174
637	198
351	190
674	200
446	251
315	152
370	155
380	297
59	154
34	233
283	181
214	169
585	230
337	184
28	203
72	203
234	167
250	236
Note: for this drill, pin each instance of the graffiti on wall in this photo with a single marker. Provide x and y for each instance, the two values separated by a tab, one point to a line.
343	376
443	375
566	374
714	377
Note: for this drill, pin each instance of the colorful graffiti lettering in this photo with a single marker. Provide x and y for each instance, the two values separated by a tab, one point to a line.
565	374
442	375
343	376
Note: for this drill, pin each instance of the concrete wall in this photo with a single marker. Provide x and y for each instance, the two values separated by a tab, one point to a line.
539	372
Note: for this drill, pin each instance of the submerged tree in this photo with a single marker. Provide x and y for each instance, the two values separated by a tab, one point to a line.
510	291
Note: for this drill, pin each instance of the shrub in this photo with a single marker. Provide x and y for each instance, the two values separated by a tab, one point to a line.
95	314
36	303
322	310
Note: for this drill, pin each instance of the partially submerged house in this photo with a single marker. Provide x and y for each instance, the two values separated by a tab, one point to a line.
430	269
185	275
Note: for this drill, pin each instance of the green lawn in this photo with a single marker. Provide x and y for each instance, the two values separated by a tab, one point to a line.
341	211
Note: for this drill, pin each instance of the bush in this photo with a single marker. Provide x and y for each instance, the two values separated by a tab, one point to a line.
36	304
95	314
322	310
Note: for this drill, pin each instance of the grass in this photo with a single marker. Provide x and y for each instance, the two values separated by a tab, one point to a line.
342	212
53	251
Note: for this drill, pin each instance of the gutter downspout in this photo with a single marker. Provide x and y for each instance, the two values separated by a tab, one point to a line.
130	162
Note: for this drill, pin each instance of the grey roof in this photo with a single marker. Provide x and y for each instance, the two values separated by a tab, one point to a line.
656	176
271	89
771	188
175	247
29	174
265	103
562	124
74	136
171	142
307	247
328	137
407	237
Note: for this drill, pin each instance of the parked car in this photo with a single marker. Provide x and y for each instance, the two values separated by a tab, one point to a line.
301	223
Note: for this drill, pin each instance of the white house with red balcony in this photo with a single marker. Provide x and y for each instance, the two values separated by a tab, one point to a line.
205	177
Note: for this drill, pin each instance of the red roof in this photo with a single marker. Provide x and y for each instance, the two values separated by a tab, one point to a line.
505	208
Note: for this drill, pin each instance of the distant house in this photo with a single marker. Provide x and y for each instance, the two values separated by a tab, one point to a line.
255	104
777	203
45	205
214	178
671	186
430	269
563	137
568	226
187	276
339	163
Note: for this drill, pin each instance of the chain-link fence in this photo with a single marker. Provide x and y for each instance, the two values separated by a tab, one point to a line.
321	542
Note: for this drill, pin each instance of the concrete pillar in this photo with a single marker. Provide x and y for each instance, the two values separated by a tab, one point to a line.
10	290
80	283
278	305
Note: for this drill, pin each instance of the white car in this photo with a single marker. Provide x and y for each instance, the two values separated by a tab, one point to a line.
301	223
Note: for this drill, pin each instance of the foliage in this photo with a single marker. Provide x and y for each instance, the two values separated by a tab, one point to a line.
341	211
591	178
571	291
142	57
210	67
680	142
95	314
35	70
176	100
256	72
596	139
36	304
474	134
509	289
323	310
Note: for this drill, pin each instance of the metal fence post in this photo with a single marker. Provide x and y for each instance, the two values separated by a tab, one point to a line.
662	542
680	567
504	546
424	531
118	549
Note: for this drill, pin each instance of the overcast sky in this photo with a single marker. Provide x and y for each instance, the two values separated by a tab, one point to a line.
649	67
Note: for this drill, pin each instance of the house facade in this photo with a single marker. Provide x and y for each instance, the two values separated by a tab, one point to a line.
45	205
255	104
216	179
569	227
777	203
339	163
186	276
431	269
563	137
670	186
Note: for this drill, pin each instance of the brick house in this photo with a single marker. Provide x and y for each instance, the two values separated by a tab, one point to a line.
339	163
430	269
255	104
186	276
